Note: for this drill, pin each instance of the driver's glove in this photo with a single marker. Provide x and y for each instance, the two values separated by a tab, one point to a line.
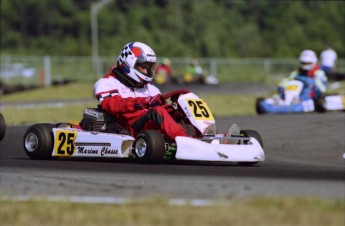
156	100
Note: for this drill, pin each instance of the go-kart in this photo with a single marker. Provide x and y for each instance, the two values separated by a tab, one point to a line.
99	135
295	98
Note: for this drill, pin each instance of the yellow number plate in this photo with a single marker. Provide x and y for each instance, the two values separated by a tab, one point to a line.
199	109
64	142
292	88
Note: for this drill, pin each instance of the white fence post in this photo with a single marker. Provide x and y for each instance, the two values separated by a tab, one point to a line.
213	67
47	71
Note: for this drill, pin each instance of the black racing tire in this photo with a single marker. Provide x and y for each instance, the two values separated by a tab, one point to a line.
253	133
320	104
2	127
256	135
258	107
149	146
38	141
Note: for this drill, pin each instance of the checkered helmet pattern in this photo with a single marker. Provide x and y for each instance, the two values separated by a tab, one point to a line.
133	53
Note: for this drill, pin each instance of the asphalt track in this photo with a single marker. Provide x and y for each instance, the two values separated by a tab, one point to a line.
304	158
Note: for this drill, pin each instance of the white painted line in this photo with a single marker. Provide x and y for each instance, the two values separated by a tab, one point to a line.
110	200
45	105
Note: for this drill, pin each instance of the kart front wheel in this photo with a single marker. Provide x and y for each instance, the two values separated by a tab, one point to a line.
256	135
149	146
38	141
253	133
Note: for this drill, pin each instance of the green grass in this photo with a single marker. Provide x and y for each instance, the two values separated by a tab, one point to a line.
220	105
230	104
19	114
256	211
65	92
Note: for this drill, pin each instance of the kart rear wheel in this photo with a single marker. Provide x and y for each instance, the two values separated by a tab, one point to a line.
256	135
258	107
2	127
149	146
38	141
320	104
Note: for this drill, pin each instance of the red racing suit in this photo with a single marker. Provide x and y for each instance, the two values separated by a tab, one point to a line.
131	107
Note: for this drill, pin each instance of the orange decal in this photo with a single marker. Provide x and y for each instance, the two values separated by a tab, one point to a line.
136	51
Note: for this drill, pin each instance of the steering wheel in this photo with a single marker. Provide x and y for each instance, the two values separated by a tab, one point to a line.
173	108
173	95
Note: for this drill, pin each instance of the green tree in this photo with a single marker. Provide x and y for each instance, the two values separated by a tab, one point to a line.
184	28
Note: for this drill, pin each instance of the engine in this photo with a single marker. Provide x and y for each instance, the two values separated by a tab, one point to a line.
95	119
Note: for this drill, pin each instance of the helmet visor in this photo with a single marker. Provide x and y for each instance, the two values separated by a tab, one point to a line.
146	68
306	65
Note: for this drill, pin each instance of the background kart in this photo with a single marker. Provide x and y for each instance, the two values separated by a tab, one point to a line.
295	99
99	135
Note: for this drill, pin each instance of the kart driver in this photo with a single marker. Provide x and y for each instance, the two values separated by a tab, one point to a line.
310	73
127	93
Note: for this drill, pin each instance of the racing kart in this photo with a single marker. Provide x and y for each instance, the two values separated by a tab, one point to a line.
295	98
99	135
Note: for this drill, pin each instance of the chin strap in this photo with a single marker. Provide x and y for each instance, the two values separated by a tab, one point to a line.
125	80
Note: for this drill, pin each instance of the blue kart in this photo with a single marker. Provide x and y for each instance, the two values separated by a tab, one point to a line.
295	96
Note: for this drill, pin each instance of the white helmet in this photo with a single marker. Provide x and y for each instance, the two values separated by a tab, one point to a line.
308	59
134	54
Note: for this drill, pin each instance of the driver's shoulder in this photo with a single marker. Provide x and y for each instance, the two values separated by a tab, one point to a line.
319	72
293	74
153	89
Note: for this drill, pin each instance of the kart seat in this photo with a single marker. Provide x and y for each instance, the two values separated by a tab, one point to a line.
96	119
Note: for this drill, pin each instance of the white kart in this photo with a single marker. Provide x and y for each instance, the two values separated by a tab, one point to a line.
98	135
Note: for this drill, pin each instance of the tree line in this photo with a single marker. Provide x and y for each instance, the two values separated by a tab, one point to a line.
174	28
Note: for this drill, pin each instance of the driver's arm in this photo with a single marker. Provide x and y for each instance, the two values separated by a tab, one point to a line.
320	79
117	105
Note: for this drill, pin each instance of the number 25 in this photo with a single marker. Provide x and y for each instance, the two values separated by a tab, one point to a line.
66	142
198	106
